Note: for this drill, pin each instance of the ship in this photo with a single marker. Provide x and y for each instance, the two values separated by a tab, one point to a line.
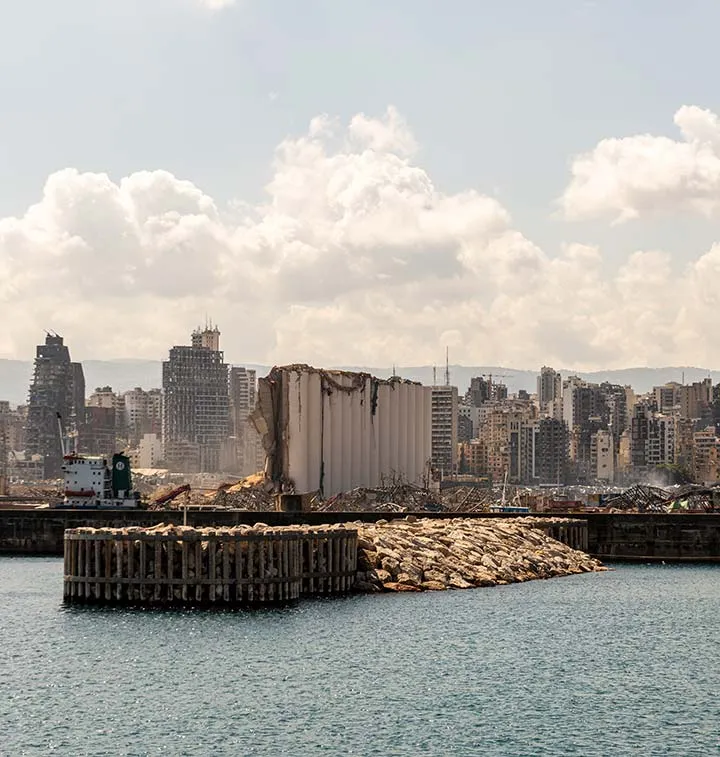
90	482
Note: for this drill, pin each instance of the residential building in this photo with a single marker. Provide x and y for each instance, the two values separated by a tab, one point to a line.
468	421
603	455
551	451
149	452
141	413
549	389
444	415
4	445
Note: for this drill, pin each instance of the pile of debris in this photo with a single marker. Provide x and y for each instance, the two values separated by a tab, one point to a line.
251	493
470	499
398	498
693	498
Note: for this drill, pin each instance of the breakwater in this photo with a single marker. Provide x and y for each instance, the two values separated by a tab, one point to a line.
259	564
616	536
422	554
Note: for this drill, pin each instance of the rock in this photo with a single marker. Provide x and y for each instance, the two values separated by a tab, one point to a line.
392	586
433	586
458	582
390	565
406	578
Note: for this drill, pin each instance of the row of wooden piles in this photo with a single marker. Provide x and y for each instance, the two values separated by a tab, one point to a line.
207	566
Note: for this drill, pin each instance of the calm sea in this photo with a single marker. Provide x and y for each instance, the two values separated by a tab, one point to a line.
620	663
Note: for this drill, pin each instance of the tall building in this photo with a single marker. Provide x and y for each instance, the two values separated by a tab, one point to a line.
444	428
652	439
585	411
603	456
196	411
696	399
551	451
479	391
4	445
243	397
57	388
141	413
549	388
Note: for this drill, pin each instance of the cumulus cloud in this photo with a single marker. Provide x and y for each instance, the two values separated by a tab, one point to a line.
645	174
355	257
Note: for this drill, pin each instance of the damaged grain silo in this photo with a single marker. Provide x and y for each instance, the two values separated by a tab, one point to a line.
331	431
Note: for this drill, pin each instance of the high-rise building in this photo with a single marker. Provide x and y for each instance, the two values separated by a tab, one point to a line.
141	414
549	388
196	412
444	428
479	391
243	397
602	453
551	451
585	411
4	445
57	388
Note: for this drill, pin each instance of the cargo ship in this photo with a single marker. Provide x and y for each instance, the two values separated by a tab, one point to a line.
91	483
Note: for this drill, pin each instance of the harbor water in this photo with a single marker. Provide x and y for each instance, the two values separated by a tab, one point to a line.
618	663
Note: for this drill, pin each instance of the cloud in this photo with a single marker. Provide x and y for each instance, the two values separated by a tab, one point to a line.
354	257
216	5
645	174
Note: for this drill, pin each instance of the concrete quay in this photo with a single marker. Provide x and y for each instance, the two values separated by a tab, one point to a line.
610	537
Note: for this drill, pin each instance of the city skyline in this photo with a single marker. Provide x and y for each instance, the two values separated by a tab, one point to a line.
493	181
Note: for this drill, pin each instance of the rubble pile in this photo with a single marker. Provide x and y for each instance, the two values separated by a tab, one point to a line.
469	499
461	553
252	493
190	498
399	498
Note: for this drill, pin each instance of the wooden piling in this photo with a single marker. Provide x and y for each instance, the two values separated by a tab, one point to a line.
217	567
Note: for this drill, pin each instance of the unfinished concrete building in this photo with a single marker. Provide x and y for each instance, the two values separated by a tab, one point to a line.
332	431
196	411
58	387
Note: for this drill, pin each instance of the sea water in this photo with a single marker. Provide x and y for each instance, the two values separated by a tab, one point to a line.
619	663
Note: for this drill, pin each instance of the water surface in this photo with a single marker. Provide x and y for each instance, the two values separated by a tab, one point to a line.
619	663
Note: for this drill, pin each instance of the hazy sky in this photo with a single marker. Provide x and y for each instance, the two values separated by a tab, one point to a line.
363	183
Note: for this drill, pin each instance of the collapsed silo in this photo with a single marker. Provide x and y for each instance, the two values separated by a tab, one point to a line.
332	431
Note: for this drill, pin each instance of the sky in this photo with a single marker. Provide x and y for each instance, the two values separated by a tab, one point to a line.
363	183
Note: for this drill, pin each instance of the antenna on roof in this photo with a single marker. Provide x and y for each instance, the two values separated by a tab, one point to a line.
434	376
447	366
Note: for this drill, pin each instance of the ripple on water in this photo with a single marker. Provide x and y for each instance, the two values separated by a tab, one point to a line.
619	663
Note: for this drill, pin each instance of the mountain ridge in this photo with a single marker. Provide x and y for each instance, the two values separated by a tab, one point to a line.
127	373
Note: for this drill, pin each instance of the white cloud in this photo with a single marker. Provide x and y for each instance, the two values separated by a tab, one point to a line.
216	4
356	257
645	174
